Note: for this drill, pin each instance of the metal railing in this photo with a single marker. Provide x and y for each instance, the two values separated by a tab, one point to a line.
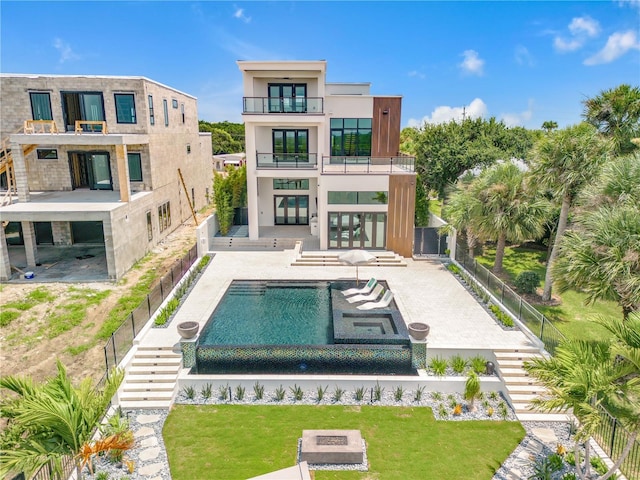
611	436
286	160
364	164
121	340
286	105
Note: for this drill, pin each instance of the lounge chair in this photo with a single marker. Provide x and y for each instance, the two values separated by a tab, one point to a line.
364	290
367	298
386	300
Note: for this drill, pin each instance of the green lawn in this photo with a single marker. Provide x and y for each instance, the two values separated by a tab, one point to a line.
237	442
573	318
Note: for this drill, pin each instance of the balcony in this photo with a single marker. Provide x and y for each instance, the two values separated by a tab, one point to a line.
286	160
282	105
366	165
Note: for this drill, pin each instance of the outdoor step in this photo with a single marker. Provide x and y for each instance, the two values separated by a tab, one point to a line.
145	404
156	353
516	350
147	377
138	396
520	380
509	363
148	387
526	389
154	369
523	356
163	348
522	397
531	416
513	372
175	360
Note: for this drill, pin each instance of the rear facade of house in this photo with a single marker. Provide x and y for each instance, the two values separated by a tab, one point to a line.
113	162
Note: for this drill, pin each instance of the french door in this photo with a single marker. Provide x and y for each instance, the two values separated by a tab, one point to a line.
90	170
287	98
357	230
87	106
291	209
291	145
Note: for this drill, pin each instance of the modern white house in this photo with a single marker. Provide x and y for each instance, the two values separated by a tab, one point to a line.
325	155
116	163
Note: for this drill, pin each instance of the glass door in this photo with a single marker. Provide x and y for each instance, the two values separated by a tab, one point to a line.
357	230
101	171
291	209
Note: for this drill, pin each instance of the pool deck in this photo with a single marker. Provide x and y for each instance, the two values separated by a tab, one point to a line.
424	291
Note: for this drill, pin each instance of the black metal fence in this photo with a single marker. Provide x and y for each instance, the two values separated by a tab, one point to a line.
611	436
122	339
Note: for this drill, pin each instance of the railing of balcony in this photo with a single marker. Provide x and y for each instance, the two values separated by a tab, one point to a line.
298	105
286	160
340	164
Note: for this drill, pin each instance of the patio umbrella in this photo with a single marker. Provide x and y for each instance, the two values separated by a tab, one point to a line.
356	257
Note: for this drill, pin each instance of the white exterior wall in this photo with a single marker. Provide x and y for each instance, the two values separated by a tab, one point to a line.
347	106
348	88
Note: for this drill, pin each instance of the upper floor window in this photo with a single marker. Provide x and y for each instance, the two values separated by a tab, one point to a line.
182	111
125	107
351	137
174	103
357	198
84	107
41	106
152	117
165	106
287	97
289	144
291	184
135	167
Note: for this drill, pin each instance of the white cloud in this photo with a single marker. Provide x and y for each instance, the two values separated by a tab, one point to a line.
472	63
562	45
587	25
523	57
244	50
239	14
518	119
630	3
415	73
65	50
617	45
444	114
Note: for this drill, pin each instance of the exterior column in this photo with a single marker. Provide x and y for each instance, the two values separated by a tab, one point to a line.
5	265
122	166
30	247
109	247
20	169
252	183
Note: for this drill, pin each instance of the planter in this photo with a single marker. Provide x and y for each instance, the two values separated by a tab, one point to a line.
188	330
418	330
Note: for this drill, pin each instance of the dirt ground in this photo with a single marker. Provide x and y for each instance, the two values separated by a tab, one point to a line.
25	348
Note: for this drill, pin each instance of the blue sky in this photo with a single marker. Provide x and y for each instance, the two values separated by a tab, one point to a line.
522	62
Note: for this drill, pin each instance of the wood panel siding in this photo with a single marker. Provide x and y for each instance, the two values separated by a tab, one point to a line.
385	140
400	215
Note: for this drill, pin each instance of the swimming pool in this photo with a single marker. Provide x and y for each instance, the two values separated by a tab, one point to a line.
300	327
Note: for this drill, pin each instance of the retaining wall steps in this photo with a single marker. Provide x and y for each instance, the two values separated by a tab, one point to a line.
325	259
150	379
522	388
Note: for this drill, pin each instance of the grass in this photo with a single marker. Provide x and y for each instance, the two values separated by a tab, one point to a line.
11	310
572	317
235	441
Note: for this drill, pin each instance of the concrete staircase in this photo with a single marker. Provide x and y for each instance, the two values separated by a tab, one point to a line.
244	244
521	388
151	378
325	259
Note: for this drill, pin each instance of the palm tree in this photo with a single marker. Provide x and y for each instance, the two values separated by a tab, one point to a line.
616	114
564	162
51	421
579	378
618	183
549	125
601	257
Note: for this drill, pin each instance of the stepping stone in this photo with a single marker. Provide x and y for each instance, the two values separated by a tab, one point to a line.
523	458
149	442
545	435
149	454
144	419
534	447
156	478
151	469
514	474
144	432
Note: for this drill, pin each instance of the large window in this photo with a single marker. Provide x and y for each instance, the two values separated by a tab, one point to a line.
125	107
351	137
287	98
291	184
291	145
83	106
152	117
165	107
357	230
41	106
164	215
135	167
357	198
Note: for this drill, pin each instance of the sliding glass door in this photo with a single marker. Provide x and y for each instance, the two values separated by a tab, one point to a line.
357	230
82	106
90	170
291	209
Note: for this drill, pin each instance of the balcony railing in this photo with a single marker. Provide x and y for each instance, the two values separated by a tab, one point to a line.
91	126
356	165
286	160
40	126
278	105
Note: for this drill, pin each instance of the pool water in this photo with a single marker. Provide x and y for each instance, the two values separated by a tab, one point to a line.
272	313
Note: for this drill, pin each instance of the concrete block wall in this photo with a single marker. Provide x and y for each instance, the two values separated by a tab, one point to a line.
61	232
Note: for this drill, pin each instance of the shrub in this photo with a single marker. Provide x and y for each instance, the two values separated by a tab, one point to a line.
452	401
453	268
279	394
320	391
189	392
377	392
417	396
239	392
442	411
437	396
102	475
337	394
502	317
258	391
206	391
527	282
398	393
167	311
8	316
478	364
458	364
472	388
224	392
599	465
297	392
438	365
359	394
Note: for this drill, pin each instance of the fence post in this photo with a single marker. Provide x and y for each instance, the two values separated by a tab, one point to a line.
502	294
613	435
106	359
148	307
475	267
133	325
542	329
115	356
520	309
161	289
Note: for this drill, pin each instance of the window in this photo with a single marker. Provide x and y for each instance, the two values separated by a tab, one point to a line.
164	215
287	98
41	106
291	184
182	111
188	148
174	103
351	137
135	167
152	118
125	107
357	198
83	107
290	144
47	154
165	107
149	227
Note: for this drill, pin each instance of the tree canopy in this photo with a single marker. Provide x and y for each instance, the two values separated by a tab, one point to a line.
226	137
